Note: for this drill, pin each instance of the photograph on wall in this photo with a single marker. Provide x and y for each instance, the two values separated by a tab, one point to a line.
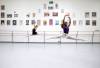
87	15
50	21
2	15
8	22
62	10
56	22
80	22
14	22
44	6
87	22
2	22
27	22
50	7
94	14
33	22
46	14
56	6
33	14
20	22
38	22
2	7
44	22
55	14
39	10
51	2
9	15
15	15
74	22
93	22
28	15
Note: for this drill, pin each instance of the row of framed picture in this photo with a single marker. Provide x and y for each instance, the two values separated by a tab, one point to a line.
15	15
46	14
47	22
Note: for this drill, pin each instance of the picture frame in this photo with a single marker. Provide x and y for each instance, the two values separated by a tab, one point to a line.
2	14
50	7
44	6
8	22
9	15
56	5
46	14
62	10
94	14
87	15
56	22
38	22
87	22
15	15
44	22
74	22
14	22
94	23
28	15
2	7
2	22
27	22
55	14
33	22
80	22
33	14
51	2
50	21
20	22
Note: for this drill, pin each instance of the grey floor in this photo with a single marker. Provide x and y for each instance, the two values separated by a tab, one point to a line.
24	55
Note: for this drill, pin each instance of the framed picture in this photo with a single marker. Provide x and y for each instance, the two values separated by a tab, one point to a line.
44	22
2	7
74	22
33	22
33	14
62	10
39	10
2	22
93	22
9	15
50	21
27	22
87	22
55	14
8	22
87	15
51	2
14	22
56	22
80	22
38	22
2	15
56	6
94	14
28	15
50	7
15	15
20	22
46	14
45	6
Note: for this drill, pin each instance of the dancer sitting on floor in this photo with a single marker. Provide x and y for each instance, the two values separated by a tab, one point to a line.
34	30
66	24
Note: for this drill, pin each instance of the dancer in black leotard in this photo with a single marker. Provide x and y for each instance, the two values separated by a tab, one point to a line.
66	24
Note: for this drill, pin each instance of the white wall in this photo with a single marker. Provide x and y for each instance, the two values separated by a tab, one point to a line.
76	9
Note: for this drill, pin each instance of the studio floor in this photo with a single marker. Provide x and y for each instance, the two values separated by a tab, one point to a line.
30	55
